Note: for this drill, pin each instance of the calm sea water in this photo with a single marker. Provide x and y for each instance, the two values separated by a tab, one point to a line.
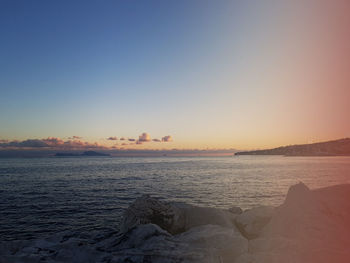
42	196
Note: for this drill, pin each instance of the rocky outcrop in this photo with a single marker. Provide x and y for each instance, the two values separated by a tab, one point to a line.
310	226
252	221
151	231
174	217
147	210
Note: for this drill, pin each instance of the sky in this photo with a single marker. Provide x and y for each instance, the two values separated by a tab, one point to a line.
192	74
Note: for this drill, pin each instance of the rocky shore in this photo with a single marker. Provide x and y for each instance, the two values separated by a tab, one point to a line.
310	226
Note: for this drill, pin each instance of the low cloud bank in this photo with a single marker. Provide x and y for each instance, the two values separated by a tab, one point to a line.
75	143
51	143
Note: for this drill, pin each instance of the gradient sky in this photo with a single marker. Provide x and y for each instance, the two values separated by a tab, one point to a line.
212	74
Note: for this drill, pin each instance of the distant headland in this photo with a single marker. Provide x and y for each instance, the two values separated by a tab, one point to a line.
330	148
87	153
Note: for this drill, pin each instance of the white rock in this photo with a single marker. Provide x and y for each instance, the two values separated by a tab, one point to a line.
252	221
225	244
199	216
173	217
146	210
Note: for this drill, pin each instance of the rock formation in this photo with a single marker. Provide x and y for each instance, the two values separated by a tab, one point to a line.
310	226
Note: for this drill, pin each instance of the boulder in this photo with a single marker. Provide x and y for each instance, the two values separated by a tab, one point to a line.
173	217
146	210
199	216
252	221
222	243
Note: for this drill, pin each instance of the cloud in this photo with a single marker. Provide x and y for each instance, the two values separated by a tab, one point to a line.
167	138
51	143
144	137
33	143
30	143
75	137
74	143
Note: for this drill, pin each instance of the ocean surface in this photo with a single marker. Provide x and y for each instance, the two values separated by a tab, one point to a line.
41	196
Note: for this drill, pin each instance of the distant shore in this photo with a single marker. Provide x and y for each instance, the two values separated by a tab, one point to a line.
330	148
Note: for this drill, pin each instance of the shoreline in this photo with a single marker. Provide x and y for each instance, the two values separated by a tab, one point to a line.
158	231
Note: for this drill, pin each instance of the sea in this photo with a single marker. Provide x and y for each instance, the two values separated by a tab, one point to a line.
43	196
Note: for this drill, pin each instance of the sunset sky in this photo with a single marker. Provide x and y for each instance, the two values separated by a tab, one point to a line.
190	74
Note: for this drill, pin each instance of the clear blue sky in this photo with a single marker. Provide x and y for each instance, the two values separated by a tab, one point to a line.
195	70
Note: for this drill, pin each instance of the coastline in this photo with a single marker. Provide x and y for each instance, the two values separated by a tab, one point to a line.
158	231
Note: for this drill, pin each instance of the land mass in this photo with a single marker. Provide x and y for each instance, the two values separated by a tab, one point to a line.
330	148
87	153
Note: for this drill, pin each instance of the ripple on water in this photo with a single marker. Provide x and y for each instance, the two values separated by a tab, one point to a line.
42	196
